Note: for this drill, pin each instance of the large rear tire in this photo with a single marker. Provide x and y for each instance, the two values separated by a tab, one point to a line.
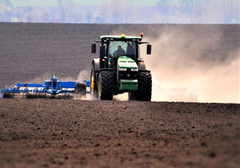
144	92
106	85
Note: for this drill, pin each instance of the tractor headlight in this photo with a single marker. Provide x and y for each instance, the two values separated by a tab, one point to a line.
122	69
134	69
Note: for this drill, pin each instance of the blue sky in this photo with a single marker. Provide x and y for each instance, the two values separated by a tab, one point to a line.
124	11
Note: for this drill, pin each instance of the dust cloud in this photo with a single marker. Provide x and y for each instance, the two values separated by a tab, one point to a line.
193	66
40	78
83	75
121	97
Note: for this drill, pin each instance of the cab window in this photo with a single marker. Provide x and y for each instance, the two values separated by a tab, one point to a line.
122	48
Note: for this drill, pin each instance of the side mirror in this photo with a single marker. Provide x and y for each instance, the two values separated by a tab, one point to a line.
149	49
94	47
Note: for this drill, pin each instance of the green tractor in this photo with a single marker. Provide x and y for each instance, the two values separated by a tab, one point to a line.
119	69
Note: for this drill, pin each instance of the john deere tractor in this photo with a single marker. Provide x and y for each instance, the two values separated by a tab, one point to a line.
119	68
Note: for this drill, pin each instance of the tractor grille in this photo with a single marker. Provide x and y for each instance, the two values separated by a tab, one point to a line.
128	74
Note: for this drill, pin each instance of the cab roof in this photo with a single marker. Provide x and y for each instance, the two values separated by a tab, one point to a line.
120	37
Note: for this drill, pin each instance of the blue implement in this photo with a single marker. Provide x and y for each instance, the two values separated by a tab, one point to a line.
50	87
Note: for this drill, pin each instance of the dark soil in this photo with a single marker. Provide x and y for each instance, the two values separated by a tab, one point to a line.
76	133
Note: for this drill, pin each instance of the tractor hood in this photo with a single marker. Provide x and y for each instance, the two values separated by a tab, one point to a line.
126	62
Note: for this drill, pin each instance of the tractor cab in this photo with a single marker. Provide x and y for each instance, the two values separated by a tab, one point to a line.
113	46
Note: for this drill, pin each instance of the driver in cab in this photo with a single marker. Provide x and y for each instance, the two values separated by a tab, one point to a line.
116	54
119	51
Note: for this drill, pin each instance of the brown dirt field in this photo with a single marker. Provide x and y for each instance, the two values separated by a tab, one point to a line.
77	133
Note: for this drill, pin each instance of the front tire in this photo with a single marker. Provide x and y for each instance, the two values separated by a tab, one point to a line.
144	92
106	85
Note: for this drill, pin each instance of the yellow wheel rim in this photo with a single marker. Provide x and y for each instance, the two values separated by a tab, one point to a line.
99	87
92	83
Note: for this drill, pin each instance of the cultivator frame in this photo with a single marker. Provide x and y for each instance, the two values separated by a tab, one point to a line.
51	88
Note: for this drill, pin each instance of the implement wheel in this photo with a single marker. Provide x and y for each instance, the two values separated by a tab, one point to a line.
80	88
106	85
7	95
